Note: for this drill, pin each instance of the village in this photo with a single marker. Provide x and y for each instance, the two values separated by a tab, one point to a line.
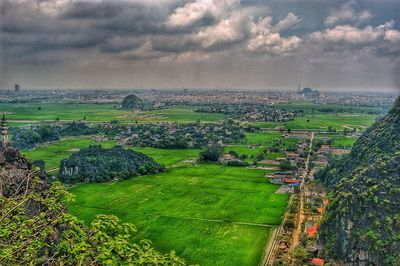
296	238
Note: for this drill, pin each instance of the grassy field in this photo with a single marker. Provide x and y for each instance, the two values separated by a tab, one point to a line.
323	121
25	113
262	138
209	214
53	153
169	156
63	111
184	114
339	140
308	107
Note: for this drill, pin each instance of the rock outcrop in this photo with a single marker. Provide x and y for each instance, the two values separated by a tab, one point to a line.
362	222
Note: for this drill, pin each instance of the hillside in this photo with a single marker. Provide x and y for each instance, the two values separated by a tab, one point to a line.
36	228
362	222
132	102
97	164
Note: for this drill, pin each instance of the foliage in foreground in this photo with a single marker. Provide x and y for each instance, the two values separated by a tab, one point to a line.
36	229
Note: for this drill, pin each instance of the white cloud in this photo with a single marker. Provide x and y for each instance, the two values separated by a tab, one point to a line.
392	36
345	34
290	20
226	31
347	13
193	12
266	38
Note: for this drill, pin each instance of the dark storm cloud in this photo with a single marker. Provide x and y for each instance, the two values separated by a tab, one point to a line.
253	33
91	10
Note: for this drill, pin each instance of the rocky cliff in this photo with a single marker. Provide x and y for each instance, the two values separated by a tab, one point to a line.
362	223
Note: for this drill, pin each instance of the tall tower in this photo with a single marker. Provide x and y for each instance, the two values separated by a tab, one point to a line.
17	88
4	131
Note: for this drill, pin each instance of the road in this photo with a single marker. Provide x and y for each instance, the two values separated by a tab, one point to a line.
297	232
271	247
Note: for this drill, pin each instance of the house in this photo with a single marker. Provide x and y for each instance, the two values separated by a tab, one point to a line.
324	147
278	177
292	155
317	262
291	182
311	231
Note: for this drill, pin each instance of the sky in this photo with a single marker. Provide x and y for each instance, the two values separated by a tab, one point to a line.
323	44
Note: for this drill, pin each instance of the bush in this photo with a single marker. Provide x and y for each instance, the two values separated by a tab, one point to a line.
211	153
289	224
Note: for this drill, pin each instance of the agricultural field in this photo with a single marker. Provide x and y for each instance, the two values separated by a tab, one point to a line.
23	113
323	121
338	140
169	156
207	213
28	113
184	114
310	107
39	112
262	138
53	153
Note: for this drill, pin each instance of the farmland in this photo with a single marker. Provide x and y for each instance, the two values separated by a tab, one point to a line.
203	212
22	113
210	214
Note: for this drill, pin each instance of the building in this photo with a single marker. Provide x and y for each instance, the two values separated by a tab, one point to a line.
308	93
291	182
4	131
317	262
17	88
311	231
278	177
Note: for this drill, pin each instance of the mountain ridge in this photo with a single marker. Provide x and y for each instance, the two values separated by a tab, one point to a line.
361	225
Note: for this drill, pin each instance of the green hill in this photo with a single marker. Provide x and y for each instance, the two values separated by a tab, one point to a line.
132	102
362	222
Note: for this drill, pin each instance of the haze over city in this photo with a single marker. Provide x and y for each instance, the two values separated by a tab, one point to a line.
343	45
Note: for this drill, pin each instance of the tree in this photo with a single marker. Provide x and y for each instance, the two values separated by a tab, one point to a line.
285	165
233	153
211	153
300	254
52	236
132	102
289	223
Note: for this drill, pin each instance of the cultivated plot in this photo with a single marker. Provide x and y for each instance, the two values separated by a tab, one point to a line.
207	213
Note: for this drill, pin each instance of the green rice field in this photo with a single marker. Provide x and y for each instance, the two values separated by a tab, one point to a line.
209	214
53	153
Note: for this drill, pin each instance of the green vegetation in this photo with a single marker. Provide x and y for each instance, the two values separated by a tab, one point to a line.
36	229
337	140
53	153
97	164
37	112
181	114
169	157
199	211
365	188
249	112
262	138
211	153
175	135
132	102
322	121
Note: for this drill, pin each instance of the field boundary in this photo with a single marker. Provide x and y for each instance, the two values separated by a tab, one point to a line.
187	217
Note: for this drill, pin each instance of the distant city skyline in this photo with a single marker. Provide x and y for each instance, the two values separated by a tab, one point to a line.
335	46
